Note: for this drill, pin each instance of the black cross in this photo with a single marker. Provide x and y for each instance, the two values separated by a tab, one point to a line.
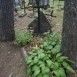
38	6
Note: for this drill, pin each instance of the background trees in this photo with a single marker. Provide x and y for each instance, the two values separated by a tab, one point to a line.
6	20
69	34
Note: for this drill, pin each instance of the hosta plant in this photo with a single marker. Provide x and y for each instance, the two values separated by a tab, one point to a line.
47	60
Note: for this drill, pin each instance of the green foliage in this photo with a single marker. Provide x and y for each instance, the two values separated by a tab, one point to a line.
23	37
47	60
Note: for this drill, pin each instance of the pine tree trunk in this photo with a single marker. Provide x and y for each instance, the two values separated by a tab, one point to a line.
6	20
69	34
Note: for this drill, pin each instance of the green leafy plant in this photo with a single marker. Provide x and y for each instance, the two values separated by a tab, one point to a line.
23	37
47	60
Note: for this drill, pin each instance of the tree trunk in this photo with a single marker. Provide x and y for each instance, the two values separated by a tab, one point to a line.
6	20
69	33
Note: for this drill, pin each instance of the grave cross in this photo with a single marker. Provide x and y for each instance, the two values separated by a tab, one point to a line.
38	6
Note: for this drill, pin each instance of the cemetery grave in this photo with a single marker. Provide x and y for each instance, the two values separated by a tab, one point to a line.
38	28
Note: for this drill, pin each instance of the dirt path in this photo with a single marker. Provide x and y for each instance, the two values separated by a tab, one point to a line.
23	22
11	61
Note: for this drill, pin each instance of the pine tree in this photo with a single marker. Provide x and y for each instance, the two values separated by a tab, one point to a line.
69	33
6	20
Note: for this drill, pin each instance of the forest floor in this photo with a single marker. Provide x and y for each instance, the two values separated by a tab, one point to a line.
11	61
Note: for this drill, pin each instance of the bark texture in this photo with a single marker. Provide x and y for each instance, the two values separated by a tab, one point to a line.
69	34
6	20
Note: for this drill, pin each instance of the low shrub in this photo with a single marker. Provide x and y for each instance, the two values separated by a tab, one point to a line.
23	37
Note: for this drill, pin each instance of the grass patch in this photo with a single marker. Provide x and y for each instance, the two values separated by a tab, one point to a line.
23	37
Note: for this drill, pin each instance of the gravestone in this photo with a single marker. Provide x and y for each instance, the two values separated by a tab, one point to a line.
44	24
